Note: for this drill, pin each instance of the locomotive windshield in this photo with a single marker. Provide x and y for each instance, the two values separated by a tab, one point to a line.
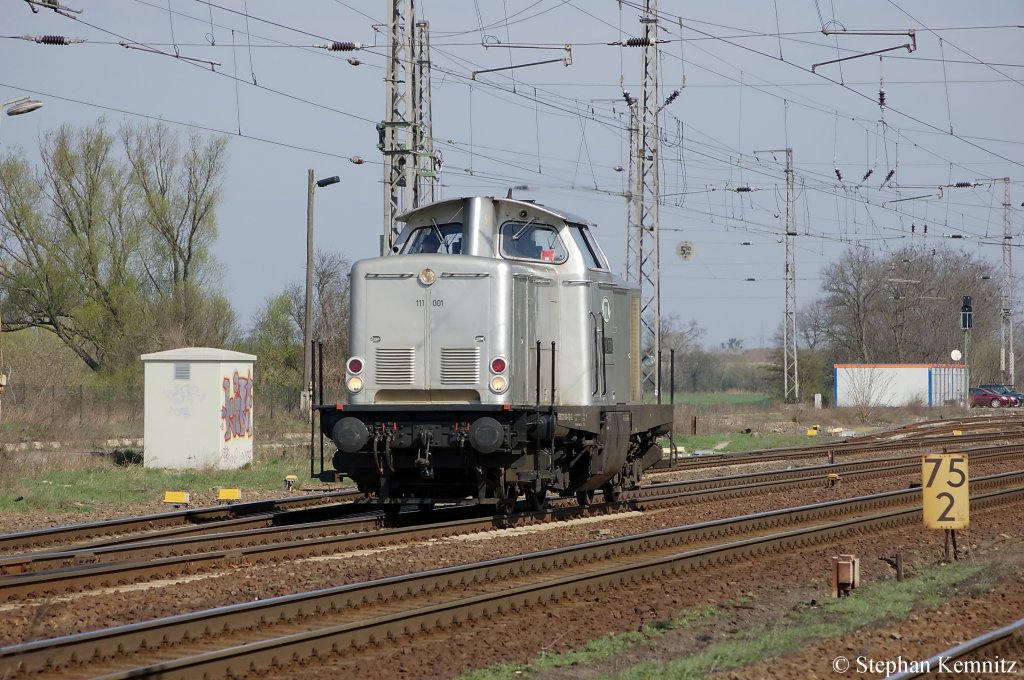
532	241
591	253
436	238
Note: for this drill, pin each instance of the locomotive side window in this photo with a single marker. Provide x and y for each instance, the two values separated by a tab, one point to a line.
436	238
591	254
532	241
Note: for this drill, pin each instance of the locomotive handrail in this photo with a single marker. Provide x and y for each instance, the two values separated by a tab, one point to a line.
593	326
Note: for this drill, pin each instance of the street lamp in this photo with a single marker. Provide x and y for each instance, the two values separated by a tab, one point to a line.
16	107
307	326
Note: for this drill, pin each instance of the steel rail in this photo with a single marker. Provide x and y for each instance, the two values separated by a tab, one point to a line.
1008	637
42	537
64	571
838	448
245	621
191	520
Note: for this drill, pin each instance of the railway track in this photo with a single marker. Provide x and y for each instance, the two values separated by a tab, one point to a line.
261	514
916	444
39	574
977	657
235	639
195	520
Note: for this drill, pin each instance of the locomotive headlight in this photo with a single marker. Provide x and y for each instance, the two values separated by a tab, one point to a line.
499	384
427	277
354	384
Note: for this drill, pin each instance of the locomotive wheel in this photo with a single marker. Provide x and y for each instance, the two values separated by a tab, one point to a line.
612	493
537	500
507	505
584	498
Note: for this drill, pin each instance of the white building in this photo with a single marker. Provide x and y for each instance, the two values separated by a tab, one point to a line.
898	384
198	408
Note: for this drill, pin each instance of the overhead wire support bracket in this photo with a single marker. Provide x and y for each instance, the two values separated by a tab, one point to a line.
153	50
909	47
55	6
566	60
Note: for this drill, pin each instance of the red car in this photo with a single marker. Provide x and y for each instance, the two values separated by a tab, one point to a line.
983	396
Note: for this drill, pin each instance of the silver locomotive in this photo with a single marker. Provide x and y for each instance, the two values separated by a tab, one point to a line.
493	354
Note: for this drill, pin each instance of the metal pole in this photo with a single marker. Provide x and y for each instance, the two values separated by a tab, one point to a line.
1006	372
305	397
396	130
648	197
792	376
320	378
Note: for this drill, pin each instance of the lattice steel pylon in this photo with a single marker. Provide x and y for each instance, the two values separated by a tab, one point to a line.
790	372
646	235
426	162
396	130
1006	371
632	190
791	379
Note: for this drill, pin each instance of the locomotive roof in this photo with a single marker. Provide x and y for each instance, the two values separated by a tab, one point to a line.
560	214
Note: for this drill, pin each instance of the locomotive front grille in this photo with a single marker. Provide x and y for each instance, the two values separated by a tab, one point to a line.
460	366
395	366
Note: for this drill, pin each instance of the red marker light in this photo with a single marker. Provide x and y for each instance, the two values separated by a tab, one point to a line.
498	365
355	366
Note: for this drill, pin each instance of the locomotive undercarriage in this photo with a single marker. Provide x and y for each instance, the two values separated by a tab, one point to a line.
493	456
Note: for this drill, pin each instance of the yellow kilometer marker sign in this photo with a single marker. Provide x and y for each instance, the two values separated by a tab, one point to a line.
944	488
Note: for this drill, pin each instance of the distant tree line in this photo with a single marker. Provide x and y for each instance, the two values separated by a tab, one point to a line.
107	247
898	307
902	306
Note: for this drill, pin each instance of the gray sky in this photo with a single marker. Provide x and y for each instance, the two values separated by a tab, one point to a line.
748	86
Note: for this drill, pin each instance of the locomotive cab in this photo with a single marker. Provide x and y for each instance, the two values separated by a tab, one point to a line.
492	354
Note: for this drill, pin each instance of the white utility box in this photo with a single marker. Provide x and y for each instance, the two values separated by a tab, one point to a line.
898	384
198	408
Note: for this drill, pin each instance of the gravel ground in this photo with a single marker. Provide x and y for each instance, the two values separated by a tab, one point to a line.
522	635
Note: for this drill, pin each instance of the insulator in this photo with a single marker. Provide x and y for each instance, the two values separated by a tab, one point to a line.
672	97
637	42
630	99
51	40
963	185
913	228
354	61
888	177
867	174
743	190
357	160
926	228
881	97
346	46
839	175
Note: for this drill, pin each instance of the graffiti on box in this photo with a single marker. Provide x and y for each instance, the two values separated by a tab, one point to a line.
236	412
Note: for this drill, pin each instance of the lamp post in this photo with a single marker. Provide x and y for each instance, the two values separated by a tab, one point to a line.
307	326
15	107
